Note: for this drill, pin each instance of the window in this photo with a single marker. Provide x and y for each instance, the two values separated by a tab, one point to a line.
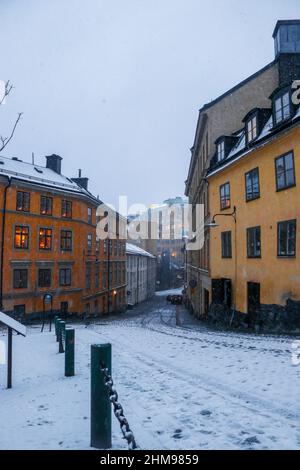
46	205
105	246
44	277
89	242
253	242
252	184
287	238
66	240
226	244
90	215
45	239
221	151
252	129
20	278
88	277
23	201
285	171
282	108
21	237
65	277
225	196
66	209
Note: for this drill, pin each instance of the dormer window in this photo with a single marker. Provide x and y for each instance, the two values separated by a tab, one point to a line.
221	150
282	107
251	127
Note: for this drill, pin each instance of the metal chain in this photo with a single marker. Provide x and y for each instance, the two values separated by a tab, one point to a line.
118	409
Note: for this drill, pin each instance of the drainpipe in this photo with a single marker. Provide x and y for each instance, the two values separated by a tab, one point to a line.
2	239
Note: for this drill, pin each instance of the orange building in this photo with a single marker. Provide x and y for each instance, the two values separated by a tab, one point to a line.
49	245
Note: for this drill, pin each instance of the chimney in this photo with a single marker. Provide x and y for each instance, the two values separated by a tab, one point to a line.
287	50
81	181
54	163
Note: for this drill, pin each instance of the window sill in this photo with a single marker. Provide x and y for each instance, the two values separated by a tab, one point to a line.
286	187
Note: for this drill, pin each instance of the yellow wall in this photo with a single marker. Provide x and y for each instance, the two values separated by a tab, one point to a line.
279	277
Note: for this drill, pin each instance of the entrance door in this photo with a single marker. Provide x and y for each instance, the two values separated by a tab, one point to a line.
253	300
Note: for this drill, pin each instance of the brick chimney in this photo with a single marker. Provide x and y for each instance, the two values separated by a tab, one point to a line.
81	181
54	163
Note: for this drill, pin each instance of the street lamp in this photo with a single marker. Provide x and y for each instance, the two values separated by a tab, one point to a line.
213	224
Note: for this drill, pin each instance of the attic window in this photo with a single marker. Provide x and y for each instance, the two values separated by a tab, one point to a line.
282	107
38	170
251	128
221	150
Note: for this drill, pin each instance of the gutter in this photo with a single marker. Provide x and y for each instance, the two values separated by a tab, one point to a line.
3	238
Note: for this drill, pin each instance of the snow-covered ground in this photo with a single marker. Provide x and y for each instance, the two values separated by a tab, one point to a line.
181	387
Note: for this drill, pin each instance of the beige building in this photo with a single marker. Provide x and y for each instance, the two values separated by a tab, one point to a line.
222	117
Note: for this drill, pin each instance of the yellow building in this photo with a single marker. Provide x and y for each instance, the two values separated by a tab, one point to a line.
254	196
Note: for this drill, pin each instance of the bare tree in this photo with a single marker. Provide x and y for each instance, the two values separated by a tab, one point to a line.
4	141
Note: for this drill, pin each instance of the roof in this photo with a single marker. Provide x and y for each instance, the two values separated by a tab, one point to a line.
136	250
36	174
241	149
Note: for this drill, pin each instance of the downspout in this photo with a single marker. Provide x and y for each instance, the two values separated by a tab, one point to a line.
3	238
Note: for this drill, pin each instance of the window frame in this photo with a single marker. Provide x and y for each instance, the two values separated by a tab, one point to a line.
246	194
45	238
21	235
279	96
23	193
63	237
291	152
44	270
47	199
251	131
286	255
20	270
249	231
65	213
64	270
224	253
221	145
220	192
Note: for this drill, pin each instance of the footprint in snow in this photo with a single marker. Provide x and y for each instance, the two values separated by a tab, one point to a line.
205	413
250	441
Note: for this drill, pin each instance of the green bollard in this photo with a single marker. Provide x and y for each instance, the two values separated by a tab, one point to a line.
62	329
70	352
100	403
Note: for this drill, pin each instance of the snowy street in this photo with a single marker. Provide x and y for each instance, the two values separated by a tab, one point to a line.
182	387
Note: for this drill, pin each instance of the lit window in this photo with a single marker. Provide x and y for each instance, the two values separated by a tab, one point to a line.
221	151
45	239
225	196
21	237
282	108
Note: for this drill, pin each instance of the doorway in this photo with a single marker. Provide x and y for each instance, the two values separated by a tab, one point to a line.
253	300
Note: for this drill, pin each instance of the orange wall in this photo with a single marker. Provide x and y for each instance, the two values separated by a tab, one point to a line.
279	277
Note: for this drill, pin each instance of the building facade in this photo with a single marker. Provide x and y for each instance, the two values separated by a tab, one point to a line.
141	274
49	244
223	117
254	190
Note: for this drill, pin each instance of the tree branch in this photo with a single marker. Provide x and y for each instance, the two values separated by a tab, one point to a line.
5	140
8	88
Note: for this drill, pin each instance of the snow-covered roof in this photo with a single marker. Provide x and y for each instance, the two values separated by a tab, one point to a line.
40	175
136	250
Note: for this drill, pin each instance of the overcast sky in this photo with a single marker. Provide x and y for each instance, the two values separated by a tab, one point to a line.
114	86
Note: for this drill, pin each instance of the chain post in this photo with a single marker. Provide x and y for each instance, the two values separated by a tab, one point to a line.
100	402
69	352
56	321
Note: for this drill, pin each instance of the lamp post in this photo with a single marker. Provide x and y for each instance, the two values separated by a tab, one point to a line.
213	224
